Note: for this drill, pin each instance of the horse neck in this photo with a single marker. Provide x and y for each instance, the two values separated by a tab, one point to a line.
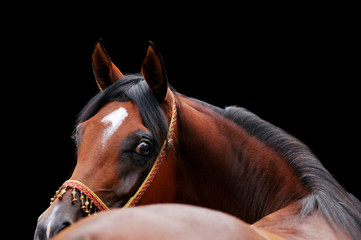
225	168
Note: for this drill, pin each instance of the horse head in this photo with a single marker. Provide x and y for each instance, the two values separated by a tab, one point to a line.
122	136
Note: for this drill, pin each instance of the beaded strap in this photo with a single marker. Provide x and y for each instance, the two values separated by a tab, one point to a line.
88	192
87	202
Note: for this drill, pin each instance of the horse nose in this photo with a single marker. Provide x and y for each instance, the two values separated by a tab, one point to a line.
61	214
48	229
61	226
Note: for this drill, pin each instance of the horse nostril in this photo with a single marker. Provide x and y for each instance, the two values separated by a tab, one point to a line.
49	230
63	226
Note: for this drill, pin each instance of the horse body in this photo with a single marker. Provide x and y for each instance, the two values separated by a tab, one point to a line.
166	221
224	159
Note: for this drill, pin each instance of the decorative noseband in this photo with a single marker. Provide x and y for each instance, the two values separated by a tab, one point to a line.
91	203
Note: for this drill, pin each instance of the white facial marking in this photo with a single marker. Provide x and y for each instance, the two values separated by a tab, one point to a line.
113	122
51	220
48	227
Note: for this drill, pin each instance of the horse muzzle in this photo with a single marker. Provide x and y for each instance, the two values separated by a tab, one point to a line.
61	214
73	201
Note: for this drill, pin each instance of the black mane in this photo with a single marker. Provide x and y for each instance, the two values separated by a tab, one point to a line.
339	207
134	88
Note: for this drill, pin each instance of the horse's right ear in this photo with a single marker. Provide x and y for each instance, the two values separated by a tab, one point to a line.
104	70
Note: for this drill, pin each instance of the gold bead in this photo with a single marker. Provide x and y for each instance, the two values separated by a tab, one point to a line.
90	208
82	200
74	200
86	205
62	192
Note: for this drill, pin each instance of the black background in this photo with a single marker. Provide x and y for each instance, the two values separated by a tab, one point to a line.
296	68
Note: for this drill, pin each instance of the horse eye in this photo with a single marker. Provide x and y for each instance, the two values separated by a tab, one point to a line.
143	148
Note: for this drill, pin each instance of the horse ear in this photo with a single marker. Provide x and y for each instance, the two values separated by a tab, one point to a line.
154	73
104	70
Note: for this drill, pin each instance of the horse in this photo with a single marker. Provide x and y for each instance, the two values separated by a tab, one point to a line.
141	142
163	221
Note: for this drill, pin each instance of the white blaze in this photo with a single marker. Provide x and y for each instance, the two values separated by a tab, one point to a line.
51	219
113	121
48	227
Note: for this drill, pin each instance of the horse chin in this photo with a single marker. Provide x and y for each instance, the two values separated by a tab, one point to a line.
61	214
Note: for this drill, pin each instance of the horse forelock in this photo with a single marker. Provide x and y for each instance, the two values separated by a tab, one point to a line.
131	88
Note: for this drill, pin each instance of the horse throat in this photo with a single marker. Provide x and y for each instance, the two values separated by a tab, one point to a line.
228	169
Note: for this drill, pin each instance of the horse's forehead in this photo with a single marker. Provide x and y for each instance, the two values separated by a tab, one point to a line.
115	116
115	112
112	123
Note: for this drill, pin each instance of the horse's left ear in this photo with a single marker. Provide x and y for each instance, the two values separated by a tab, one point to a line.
105	71
154	73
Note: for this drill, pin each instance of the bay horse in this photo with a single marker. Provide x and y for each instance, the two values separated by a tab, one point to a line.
140	142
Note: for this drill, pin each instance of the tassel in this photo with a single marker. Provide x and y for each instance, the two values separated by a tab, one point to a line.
62	192
82	200
86	205
55	196
90	208
74	200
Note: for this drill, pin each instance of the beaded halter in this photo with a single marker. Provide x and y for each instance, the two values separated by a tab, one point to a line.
91	203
